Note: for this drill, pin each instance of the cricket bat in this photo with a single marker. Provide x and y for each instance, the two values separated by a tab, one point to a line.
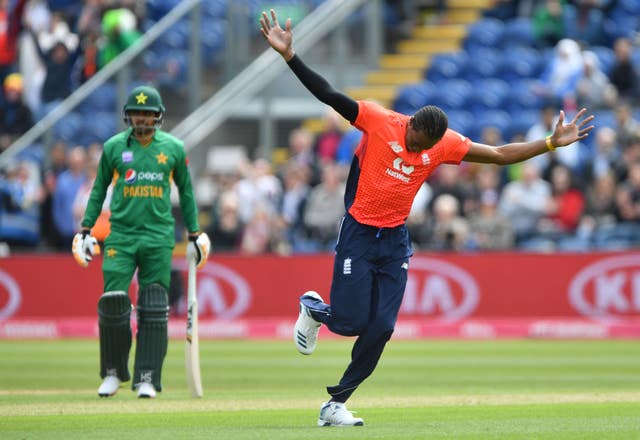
191	348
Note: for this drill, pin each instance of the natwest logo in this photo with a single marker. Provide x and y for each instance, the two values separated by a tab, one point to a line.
440	290
608	288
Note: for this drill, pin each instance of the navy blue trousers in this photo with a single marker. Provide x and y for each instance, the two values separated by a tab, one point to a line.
369	278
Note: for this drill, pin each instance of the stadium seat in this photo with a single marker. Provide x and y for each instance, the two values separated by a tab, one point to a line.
156	9
486	32
452	94
461	121
447	66
103	98
518	32
522	96
412	97
520	62
485	64
213	40
98	127
488	94
70	127
213	9
606	57
521	121
497	118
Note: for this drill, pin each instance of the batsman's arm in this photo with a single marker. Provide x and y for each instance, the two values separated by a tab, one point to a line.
98	191
182	179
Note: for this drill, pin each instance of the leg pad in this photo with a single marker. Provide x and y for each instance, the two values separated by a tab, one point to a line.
152	337
114	314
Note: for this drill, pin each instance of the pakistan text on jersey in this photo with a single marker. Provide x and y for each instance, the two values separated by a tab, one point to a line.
142	191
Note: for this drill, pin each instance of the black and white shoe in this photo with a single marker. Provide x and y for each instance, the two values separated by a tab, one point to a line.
305	332
336	414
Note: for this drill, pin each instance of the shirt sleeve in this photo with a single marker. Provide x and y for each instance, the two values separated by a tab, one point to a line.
370	115
182	179
99	190
455	146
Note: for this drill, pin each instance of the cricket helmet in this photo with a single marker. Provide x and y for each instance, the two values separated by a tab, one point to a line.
144	98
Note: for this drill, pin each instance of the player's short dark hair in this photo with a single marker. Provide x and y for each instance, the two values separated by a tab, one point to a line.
432	121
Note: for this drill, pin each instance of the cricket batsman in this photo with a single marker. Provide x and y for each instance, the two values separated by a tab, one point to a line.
140	162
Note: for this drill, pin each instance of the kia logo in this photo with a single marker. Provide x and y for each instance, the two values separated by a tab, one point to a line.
8	284
608	288
221	291
440	289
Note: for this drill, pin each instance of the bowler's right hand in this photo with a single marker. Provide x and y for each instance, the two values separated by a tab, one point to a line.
84	247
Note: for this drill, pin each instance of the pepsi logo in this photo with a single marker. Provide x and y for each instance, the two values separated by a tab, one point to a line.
608	288
130	176
439	290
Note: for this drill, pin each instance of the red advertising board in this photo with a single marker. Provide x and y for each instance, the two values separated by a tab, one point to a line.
447	289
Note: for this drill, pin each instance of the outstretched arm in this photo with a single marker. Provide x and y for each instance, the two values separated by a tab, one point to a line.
562	136
281	41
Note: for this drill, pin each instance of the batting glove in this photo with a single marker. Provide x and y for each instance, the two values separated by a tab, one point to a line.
84	247
198	248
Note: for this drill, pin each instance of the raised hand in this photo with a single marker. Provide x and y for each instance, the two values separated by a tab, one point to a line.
279	39
577	129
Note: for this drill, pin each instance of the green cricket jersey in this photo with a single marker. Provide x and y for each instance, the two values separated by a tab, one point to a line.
141	178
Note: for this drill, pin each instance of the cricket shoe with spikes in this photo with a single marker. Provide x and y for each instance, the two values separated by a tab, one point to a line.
146	391
336	414
305	332
109	386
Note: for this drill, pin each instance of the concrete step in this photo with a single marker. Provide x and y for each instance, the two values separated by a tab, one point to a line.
404	61
428	47
440	32
394	77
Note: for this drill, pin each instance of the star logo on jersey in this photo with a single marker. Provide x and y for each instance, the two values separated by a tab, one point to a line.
395	146
162	159
141	98
111	252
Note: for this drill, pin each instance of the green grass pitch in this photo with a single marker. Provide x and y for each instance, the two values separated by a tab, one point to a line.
528	389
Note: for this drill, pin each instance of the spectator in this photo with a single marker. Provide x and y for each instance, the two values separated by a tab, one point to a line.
600	206
523	201
594	89
328	139
548	23
627	127
449	230
559	80
564	209
607	156
489	229
119	29
628	195
226	226
67	187
296	192
59	61
325	208
301	152
583	22
55	165
258	187
10	25
20	197
624	75
15	116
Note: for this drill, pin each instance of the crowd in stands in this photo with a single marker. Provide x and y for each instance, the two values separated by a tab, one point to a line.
580	198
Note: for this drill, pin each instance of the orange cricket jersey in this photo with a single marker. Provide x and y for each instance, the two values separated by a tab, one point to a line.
385	177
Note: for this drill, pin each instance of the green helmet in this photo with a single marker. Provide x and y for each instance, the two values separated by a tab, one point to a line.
144	98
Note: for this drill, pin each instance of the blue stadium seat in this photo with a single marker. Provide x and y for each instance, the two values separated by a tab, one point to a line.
103	98
605	118
518	32
98	127
156	9
452	94
520	62
213	36
522	96
497	118
485	63
215	8
447	66
488	94
606	57
486	32
70	127
461	121
412	97
521	121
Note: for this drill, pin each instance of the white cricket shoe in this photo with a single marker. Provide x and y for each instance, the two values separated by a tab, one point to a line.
305	332
336	414
146	391
109	386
